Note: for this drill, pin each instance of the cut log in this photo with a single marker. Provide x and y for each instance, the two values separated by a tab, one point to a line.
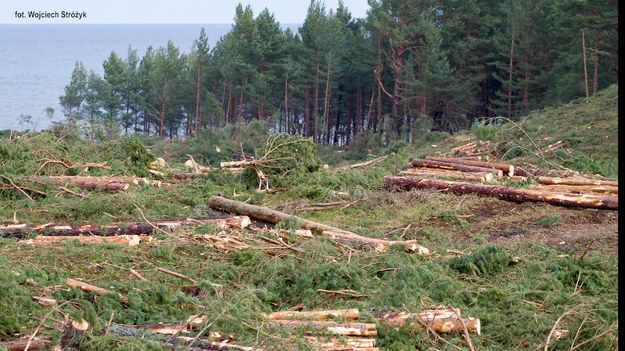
463	148
506	168
458	175
526	172
417	162
90	183
20	345
321	315
91	288
176	342
578	189
272	216
125	240
362	164
45	301
575	181
341	344
504	193
236	164
21	231
441	320
347	329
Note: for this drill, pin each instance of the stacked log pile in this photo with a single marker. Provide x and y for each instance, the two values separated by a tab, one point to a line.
557	187
349	334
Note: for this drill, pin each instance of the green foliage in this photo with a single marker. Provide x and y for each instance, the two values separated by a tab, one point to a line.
488	260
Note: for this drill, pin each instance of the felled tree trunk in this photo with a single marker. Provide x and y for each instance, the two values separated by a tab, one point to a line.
475	176
504	193
272	216
441	320
21	231
347	329
342	344
506	168
125	240
91	183
321	315
417	162
579	189
526	172
176	341
20	345
576	181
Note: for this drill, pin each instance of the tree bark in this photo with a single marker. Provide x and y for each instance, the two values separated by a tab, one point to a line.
504	193
455	166
506	168
441	320
21	231
272	216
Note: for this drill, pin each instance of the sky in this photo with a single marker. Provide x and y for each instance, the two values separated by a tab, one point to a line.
162	11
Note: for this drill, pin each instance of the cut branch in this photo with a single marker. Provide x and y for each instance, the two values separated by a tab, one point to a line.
324	315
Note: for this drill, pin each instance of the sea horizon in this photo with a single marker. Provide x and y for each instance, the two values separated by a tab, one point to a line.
37	59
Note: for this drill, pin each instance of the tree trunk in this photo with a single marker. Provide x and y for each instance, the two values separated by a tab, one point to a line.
272	216
510	77
21	231
506	168
455	166
503	193
75	334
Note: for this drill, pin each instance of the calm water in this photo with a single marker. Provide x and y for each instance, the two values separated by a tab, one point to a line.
36	60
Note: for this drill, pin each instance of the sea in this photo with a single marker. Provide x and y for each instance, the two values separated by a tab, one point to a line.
37	60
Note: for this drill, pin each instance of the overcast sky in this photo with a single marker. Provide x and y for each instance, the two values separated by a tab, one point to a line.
164	11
